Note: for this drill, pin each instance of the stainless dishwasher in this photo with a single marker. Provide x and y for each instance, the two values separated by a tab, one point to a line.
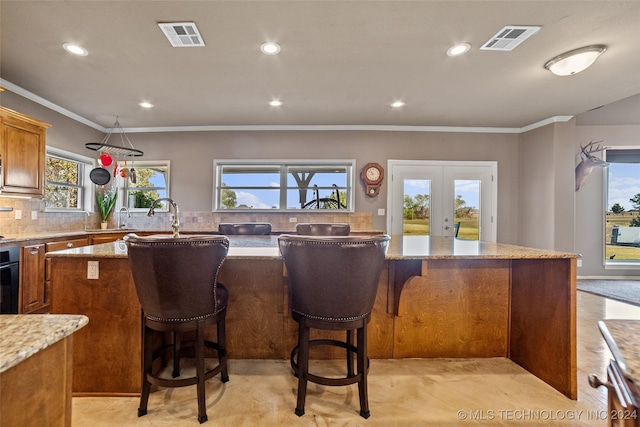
9	279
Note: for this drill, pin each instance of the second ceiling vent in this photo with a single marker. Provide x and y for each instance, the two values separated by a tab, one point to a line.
182	34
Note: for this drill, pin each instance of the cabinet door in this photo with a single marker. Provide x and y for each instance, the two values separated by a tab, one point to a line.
22	154
57	246
32	286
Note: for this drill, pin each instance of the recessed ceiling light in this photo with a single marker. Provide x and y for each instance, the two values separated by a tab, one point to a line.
459	49
75	49
397	104
146	105
275	103
270	48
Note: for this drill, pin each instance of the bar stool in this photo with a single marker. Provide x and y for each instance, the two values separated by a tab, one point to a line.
245	228
323	229
333	283
175	279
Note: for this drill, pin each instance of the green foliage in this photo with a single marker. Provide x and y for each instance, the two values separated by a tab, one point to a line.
106	200
636	201
59	172
416	208
461	208
144	199
635	222
229	198
617	208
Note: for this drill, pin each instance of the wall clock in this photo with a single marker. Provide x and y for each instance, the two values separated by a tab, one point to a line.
372	175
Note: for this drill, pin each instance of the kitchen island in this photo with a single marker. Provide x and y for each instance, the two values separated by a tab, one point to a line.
35	369
437	297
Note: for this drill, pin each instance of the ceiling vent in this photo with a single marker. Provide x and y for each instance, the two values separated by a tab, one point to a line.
509	38
182	34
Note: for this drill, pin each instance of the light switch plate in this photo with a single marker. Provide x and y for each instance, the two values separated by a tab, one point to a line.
34	215
18	214
381	212
93	269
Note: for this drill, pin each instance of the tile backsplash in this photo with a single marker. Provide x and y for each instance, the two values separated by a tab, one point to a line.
189	221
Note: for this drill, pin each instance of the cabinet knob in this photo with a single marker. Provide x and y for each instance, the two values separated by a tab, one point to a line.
596	382
69	245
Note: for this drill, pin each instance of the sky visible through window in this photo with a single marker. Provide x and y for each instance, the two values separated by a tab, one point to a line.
268	199
624	184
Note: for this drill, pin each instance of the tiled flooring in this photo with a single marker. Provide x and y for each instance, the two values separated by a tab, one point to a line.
411	392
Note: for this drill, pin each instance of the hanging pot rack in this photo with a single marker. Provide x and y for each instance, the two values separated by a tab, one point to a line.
123	150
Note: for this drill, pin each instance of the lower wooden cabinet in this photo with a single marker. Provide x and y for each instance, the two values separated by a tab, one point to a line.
33	298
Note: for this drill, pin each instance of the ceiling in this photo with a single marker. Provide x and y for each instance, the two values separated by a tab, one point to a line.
342	62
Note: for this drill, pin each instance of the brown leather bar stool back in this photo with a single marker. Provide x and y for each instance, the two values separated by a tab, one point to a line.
176	283
333	282
323	229
246	228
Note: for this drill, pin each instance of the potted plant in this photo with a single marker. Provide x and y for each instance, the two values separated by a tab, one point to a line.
106	200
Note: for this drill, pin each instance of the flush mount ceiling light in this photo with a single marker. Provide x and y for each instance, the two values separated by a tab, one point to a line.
270	48
459	49
574	61
146	105
397	104
75	49
275	103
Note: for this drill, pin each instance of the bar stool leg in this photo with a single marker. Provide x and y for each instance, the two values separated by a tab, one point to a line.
176	355
222	350
147	362
362	370
349	353
303	367
202	401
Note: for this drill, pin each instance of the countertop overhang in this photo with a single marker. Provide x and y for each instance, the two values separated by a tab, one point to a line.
400	248
24	335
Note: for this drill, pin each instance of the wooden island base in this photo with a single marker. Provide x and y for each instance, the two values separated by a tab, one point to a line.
522	308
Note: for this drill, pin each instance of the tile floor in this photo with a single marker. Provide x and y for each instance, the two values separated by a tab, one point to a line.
410	392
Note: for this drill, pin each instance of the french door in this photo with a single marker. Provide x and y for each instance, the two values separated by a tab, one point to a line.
457	199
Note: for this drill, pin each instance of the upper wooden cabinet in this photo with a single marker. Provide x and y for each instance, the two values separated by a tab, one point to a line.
22	154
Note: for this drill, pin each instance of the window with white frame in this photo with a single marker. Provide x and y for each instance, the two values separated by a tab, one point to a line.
283	185
622	210
66	183
143	182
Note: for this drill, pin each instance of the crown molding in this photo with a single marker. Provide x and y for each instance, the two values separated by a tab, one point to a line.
226	128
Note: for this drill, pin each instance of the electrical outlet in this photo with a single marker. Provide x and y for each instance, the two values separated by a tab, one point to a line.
579	263
294	219
93	270
34	215
18	214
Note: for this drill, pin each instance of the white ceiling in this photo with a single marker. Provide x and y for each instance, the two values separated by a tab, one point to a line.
342	62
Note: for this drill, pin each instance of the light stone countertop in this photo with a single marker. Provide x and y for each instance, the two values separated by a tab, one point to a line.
400	247
23	335
623	339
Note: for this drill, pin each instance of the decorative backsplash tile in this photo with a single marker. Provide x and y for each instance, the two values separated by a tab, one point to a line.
189	221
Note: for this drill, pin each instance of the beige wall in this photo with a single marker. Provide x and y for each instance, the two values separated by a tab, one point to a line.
527	192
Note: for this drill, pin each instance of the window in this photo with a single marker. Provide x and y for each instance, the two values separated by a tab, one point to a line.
151	182
622	210
290	185
66	183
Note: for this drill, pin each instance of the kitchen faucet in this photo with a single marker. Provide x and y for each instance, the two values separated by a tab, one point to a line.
123	209
176	222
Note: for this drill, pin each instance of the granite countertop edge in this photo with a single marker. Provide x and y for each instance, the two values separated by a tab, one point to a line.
24	335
